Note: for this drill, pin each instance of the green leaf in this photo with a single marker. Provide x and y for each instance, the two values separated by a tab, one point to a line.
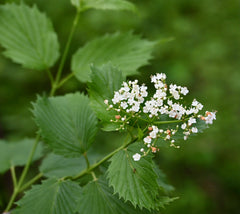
108	5
162	201
111	78
165	187
76	3
59	166
134	181
28	36
17	153
67	123
99	194
125	50
51	197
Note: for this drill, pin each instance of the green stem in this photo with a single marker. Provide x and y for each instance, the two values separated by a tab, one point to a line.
94	176
23	175
50	77
86	159
88	165
55	84
64	56
25	170
92	167
29	183
167	122
143	120
65	80
14	178
11	200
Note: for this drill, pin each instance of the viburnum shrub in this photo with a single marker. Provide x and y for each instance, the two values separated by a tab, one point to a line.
70	181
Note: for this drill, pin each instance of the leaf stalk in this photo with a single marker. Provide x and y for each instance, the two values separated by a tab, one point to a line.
65	52
94	166
14	178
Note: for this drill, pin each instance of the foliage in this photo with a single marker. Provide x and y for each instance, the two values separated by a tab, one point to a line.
28	36
101	195
103	4
68	124
58	166
112	79
11	157
60	198
112	48
133	181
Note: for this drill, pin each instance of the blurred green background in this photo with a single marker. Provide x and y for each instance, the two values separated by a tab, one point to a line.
204	56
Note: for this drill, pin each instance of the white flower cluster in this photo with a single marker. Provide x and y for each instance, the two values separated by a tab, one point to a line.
130	96
131	101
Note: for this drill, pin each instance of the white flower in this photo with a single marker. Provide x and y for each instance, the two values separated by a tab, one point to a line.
155	129
189	111
153	79
169	102
194	130
194	102
159	85
117	98
135	107
158	77
143	90
191	121
176	95
184	126
161	76
126	87
154	132
147	139
172	87
136	157
167	137
184	90
210	117
199	106
124	105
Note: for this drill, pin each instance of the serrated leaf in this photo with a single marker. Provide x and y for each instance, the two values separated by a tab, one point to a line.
51	197
28	36
108	5
162	201
165	187
104	81
134	181
67	123
99	194
126	51
59	166
17	153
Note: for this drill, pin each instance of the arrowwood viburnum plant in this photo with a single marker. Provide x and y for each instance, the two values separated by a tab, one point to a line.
69	179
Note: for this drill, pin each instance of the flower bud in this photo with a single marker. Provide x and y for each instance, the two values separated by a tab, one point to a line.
117	117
